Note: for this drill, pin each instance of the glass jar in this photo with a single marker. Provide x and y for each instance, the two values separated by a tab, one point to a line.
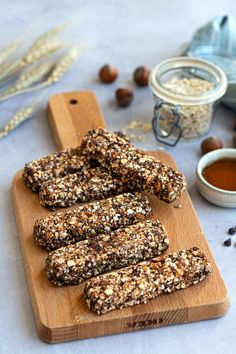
186	91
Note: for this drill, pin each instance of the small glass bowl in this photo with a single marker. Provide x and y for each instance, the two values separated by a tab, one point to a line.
186	91
217	196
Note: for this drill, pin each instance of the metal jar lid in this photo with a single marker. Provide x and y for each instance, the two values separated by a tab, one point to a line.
186	63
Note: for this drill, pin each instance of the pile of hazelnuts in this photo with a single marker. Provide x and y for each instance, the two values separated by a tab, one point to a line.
124	95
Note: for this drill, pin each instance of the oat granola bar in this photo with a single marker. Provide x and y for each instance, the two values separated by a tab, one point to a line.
132	165
89	220
140	283
56	165
91	184
75	263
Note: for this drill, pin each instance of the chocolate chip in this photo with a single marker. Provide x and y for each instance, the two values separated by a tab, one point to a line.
73	232
228	242
231	231
93	163
70	169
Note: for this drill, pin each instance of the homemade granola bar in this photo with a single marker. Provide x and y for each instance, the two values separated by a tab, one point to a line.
56	165
75	263
132	165
140	283
87	185
89	220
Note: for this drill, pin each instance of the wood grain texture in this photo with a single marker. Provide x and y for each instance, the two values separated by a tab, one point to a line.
76	113
61	314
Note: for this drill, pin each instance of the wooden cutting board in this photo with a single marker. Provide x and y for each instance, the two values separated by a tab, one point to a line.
61	314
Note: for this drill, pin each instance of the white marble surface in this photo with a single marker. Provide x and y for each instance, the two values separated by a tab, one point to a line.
125	33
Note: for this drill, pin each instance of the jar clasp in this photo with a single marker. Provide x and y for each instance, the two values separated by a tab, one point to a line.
175	130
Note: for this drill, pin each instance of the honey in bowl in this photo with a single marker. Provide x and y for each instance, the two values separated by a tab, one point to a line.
221	174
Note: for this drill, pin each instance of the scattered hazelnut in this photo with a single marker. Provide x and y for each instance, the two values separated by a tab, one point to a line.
140	76
124	96
210	144
234	139
108	74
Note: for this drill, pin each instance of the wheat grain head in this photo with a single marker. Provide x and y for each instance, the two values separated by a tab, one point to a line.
7	51
29	77
46	36
21	116
49	47
62	66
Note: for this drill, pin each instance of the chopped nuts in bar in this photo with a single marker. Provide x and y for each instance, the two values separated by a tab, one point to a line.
132	165
75	263
89	220
145	281
56	165
87	185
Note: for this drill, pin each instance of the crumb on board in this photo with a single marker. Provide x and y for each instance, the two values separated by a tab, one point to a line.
140	127
177	206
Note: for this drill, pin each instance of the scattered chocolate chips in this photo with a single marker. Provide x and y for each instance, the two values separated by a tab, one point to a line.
231	230
228	242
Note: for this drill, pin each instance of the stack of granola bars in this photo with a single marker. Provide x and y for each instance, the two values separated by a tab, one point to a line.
106	241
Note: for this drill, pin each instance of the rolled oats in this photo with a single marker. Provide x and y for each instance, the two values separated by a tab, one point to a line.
132	166
89	220
56	165
103	253
145	281
195	120
86	185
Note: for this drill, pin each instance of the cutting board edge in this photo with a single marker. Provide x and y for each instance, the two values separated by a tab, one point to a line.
53	335
72	123
32	296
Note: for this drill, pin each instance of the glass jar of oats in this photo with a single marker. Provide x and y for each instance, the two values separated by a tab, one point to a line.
186	91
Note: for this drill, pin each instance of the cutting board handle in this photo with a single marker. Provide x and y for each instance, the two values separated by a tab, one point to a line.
67	110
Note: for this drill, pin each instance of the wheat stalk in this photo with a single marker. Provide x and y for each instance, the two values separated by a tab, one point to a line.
45	37
49	47
62	66
20	117
31	57
43	46
33	75
29	77
7	51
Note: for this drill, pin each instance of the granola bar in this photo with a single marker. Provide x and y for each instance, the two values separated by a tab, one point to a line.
89	220
140	283
132	165
75	263
56	165
87	185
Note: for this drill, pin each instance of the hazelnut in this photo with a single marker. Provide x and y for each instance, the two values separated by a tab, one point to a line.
124	96
108	74
141	75
210	144
234	139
